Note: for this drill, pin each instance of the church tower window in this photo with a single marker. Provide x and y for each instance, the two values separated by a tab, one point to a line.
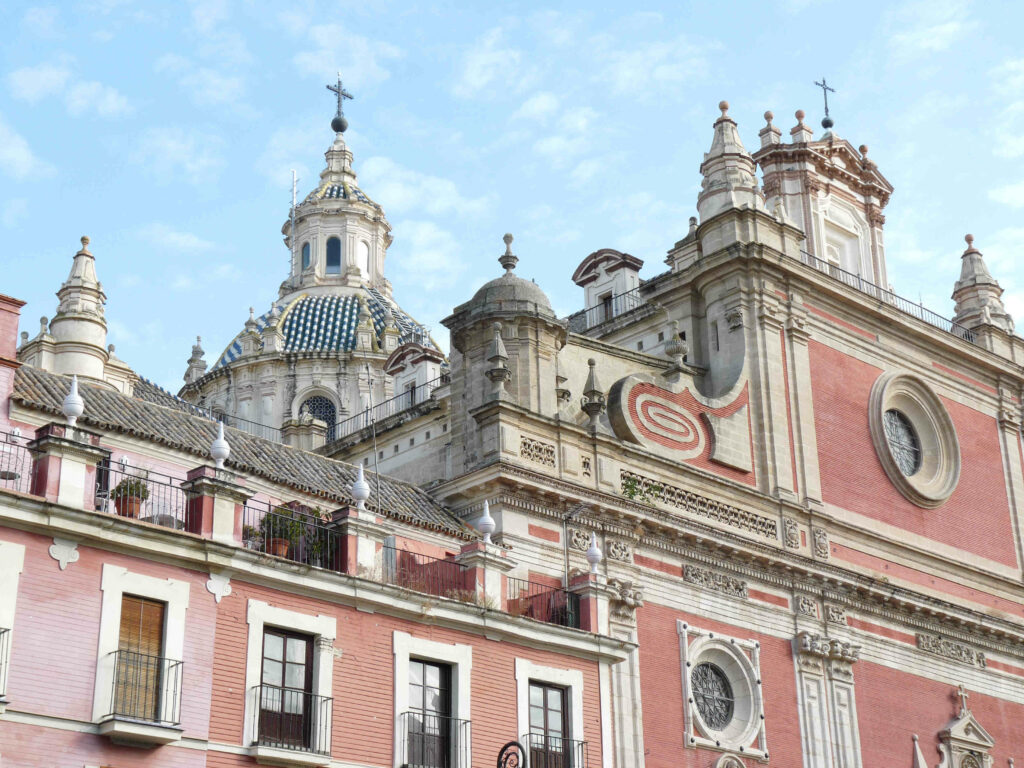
305	256
319	407
333	256
363	258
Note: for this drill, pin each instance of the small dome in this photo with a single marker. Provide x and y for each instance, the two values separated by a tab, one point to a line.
339	191
511	291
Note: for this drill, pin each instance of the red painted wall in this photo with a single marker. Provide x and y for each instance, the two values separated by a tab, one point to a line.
976	518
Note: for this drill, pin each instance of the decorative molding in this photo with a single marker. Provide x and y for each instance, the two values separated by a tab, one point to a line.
717	582
790	533
219	585
695	504
579	539
586	467
950	649
537	451
626	598
616	549
806	606
729	761
734	318
64	551
821	548
835	614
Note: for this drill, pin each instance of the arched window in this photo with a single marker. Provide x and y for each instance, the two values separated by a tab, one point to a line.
305	255
333	256
319	407
363	258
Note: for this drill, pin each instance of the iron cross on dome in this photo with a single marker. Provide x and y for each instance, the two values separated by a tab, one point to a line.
341	93
825	89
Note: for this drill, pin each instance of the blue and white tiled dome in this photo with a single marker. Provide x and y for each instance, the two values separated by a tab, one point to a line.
339	191
328	323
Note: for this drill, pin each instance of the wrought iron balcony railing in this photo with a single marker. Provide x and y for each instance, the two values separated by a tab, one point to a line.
422	573
555	752
15	463
292	719
539	601
613	306
433	741
146	688
302	537
141	494
401	402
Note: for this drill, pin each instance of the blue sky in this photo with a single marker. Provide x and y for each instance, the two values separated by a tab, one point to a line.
166	132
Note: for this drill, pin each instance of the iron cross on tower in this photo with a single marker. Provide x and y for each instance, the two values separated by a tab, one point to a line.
339	123
826	122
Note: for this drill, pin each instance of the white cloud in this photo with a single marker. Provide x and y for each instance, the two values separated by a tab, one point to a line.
13	212
16	157
81	97
177	152
165	237
540	106
287	149
655	68
206	86
208	14
401	189
34	83
922	27
1010	194
95	98
431	258
334	48
572	137
489	60
41	21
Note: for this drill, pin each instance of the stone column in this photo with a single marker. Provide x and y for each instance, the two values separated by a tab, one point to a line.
627	702
805	438
215	505
64	469
595	596
774	405
362	537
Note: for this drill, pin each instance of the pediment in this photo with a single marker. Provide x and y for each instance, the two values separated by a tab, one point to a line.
966	731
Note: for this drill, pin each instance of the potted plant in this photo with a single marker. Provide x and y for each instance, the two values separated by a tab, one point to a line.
252	536
280	531
128	496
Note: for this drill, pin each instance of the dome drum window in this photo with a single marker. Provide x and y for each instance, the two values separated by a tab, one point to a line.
305	256
319	407
333	263
914	438
722	703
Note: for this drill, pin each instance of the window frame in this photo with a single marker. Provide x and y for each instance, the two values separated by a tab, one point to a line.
458	657
116	582
570	680
305	256
327	256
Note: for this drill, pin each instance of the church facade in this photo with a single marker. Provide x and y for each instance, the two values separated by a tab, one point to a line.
757	509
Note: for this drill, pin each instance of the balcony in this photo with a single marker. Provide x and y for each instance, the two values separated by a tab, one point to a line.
141	494
15	465
422	573
291	727
144	700
394	406
299	535
611	307
433	741
555	752
552	605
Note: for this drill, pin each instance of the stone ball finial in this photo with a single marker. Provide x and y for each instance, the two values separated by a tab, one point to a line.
800	115
199	340
219	448
339	124
969	239
73	405
507	239
863	148
110	348
360	488
508	259
485	523
724	106
768	117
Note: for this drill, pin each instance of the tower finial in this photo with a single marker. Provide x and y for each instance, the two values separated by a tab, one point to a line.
508	259
339	124
826	122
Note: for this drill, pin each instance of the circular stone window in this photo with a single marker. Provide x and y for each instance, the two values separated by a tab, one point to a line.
914	438
712	695
723	692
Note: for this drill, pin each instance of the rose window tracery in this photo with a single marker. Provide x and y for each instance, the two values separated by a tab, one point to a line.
712	695
903	442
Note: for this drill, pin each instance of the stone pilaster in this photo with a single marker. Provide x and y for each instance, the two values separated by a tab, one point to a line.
64	468
215	505
805	439
487	566
773	394
362	535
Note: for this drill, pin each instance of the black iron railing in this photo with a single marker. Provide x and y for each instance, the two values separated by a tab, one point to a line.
5	652
613	306
146	688
289	718
15	463
141	494
394	405
544	603
903	305
300	536
555	752
422	573
254	428
432	741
